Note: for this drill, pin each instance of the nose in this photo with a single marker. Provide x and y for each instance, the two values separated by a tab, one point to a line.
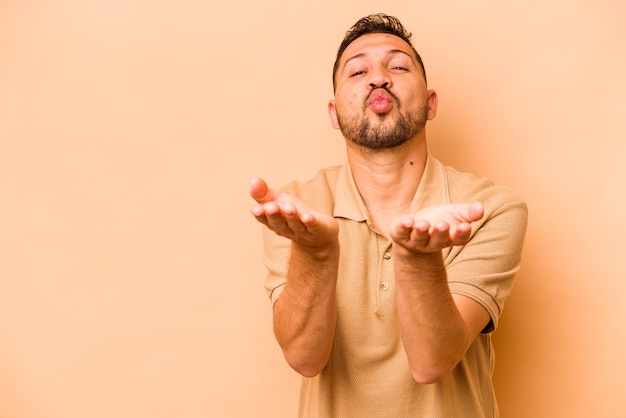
384	85
379	78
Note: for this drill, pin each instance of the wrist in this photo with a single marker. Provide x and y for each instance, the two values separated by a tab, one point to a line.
322	253
409	264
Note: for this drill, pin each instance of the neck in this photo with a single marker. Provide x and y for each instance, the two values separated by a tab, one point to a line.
387	180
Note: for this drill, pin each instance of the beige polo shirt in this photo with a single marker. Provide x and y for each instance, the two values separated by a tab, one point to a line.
368	374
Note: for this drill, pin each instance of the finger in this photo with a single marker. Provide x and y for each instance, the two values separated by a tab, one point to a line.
460	234
475	211
258	188
276	219
261	192
312	224
307	219
287	221
439	236
295	221
420	232
319	229
261	211
257	211
401	229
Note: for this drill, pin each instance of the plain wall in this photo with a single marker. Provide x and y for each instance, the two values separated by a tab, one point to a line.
131	280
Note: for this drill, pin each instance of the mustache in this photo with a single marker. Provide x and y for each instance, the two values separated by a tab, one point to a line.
389	92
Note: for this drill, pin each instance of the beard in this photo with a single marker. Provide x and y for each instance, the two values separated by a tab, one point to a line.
360	130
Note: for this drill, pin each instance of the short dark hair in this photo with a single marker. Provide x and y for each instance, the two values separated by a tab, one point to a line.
376	23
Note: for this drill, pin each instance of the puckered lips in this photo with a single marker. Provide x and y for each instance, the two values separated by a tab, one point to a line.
380	101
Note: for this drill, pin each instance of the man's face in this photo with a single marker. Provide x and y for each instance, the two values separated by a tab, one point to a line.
381	100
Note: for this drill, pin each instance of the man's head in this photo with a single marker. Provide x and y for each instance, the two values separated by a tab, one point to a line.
381	99
376	23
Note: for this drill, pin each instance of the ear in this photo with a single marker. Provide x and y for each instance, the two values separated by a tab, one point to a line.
433	102
332	114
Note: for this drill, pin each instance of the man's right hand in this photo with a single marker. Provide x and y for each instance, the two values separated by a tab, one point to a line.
291	218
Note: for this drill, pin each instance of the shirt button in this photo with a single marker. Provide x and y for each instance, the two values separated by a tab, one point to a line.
387	255
384	286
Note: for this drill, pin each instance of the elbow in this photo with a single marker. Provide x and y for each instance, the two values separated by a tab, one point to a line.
433	367
308	371
427	378
305	368
429	375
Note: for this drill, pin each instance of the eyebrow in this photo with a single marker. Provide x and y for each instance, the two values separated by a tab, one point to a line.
390	52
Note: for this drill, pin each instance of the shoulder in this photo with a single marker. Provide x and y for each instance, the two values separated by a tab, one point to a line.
325	179
465	187
503	207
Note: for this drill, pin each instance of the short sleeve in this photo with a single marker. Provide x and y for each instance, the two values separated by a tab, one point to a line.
485	267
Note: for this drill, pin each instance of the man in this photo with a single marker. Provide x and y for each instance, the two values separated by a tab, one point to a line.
388	274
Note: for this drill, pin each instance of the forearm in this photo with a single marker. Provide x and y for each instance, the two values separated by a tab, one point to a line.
434	333
305	313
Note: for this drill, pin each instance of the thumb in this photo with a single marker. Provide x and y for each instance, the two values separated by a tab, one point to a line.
475	211
261	192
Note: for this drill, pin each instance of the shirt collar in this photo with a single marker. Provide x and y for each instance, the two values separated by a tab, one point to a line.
349	203
432	190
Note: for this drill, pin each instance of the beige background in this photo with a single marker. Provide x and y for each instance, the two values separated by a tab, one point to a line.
131	275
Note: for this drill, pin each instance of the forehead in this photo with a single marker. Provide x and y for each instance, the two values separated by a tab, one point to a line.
374	44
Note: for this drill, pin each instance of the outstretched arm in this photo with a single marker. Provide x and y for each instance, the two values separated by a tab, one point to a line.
437	327
305	312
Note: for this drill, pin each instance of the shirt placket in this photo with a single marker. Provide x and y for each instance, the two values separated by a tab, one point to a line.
386	283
